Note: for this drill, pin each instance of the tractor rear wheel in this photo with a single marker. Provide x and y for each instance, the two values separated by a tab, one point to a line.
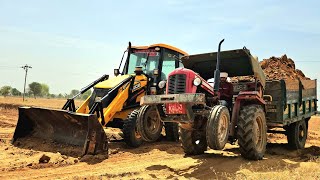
193	141
252	132
130	134
149	124
218	127
297	134
172	131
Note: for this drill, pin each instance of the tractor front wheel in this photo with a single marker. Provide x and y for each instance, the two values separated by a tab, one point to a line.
172	131
218	127
193	141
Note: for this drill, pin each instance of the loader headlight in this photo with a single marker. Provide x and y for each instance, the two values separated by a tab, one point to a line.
197	81
162	84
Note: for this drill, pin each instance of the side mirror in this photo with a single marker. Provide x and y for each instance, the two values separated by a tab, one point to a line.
116	72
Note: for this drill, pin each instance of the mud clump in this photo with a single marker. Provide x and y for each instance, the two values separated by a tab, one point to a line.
276	68
44	159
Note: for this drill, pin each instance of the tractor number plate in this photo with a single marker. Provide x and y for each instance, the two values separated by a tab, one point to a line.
175	108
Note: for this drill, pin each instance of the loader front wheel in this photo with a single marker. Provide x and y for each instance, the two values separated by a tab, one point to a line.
252	132
193	141
130	134
149	124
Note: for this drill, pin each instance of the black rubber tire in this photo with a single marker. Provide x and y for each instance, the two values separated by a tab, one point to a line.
193	141
130	134
252	132
172	131
142	124
217	130
297	135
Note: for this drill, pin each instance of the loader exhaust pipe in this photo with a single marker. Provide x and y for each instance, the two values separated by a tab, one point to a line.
217	71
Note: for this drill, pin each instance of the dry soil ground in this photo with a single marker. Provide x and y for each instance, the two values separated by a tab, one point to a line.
156	160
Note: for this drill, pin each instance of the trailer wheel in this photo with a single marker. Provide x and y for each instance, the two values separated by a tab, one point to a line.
218	127
193	141
297	134
252	132
172	131
130	134
149	124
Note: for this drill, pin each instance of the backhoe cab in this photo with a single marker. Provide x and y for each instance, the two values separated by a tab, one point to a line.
114	102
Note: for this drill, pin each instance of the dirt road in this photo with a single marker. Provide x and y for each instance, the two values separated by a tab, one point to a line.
157	160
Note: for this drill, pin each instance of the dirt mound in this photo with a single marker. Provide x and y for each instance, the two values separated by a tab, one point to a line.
48	146
9	106
281	68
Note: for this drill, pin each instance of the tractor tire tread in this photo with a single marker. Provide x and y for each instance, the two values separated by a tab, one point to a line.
245	132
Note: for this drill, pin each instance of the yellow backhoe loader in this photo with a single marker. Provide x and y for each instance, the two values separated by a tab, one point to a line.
114	102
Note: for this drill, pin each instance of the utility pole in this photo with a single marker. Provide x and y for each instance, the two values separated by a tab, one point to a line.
25	67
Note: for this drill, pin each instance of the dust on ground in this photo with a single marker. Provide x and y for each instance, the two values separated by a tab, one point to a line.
153	160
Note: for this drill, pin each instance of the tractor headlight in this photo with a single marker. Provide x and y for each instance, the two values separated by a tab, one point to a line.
197	81
162	84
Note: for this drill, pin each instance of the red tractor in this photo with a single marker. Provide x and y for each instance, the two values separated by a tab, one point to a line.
196	106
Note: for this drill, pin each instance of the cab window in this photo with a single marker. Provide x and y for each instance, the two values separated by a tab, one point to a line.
169	63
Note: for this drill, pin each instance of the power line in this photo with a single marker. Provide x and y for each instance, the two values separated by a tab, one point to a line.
25	67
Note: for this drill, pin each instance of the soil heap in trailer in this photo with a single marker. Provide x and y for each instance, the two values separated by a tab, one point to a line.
258	106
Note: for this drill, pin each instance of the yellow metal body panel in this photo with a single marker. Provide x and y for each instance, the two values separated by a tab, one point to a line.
123	114
84	107
114	110
112	82
140	81
162	45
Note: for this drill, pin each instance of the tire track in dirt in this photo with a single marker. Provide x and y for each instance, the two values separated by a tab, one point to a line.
83	170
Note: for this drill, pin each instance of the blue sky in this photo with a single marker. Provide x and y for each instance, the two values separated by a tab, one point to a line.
71	43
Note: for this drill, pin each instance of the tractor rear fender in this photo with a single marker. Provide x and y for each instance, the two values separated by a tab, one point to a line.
244	98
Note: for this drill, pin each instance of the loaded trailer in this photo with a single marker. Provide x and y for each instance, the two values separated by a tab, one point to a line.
290	105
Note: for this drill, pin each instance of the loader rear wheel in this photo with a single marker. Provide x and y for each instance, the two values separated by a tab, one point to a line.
130	134
252	132
218	127
172	131
149	124
193	141
297	135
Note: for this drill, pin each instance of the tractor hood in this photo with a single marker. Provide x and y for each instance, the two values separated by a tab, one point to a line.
111	82
237	62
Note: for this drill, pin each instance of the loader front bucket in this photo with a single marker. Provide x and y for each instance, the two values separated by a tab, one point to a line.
61	126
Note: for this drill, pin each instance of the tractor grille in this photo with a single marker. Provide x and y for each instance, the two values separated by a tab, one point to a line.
177	84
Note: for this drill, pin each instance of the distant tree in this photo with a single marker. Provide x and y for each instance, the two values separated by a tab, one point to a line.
5	90
66	95
15	92
74	92
60	95
86	94
44	90
52	95
35	88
